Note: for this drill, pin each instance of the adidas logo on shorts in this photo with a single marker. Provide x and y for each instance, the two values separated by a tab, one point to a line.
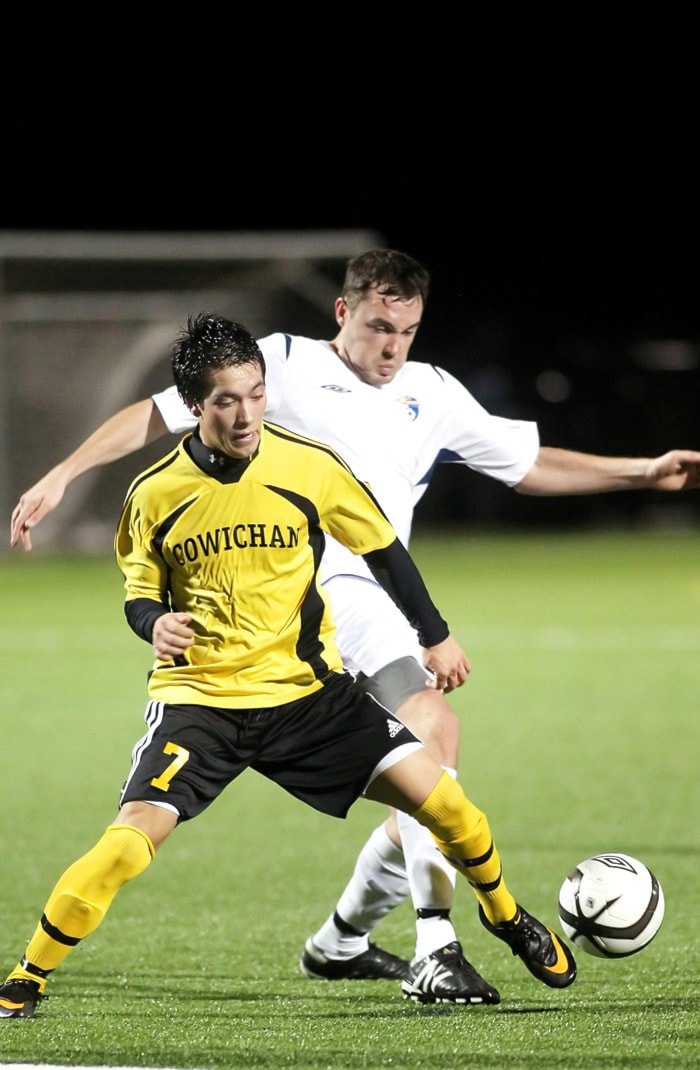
394	727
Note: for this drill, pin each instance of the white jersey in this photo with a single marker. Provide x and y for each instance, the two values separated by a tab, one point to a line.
392	436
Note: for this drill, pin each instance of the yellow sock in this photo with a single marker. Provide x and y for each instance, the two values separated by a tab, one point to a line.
81	898
463	835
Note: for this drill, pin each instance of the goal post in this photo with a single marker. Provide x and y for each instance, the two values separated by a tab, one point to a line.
87	321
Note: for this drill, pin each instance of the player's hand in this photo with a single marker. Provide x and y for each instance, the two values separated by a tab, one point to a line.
33	506
171	635
448	663
676	470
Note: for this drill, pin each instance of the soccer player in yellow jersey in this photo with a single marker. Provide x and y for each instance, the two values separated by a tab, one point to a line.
395	420
220	544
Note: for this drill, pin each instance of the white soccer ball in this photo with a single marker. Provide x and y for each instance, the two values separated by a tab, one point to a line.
611	905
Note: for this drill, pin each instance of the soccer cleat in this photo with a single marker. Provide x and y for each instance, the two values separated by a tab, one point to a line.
545	955
18	999
371	965
445	976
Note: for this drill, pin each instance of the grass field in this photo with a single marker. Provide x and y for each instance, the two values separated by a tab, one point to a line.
580	734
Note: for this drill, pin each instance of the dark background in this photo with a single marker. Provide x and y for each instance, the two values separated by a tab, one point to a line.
552	196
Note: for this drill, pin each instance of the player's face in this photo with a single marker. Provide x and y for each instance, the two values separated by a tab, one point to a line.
231	415
375	337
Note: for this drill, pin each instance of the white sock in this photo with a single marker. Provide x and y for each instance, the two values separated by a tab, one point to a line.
431	935
432	881
378	884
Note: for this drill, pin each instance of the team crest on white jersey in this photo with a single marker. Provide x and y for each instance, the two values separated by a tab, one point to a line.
411	405
336	388
394	727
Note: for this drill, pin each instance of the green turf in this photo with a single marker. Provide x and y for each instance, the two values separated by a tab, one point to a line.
579	735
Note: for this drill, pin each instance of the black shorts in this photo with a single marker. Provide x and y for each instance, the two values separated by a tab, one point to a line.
322	749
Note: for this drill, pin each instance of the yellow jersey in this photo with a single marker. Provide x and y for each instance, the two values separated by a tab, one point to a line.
237	544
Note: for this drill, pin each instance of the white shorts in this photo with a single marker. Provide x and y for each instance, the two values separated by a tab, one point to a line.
371	631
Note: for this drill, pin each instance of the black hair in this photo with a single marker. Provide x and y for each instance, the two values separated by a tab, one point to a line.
207	343
394	274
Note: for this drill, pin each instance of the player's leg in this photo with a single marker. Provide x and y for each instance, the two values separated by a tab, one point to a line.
462	833
341	948
152	802
81	898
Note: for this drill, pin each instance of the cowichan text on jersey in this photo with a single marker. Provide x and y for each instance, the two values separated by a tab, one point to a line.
239	537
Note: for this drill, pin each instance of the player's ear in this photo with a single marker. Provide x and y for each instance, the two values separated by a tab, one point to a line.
341	310
194	407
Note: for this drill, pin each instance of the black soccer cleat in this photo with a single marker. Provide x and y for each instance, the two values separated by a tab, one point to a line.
445	976
18	999
545	955
374	964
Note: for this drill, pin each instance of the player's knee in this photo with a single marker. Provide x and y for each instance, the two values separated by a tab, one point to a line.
448	814
429	716
126	851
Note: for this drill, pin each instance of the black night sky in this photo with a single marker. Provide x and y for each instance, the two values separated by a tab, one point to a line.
564	191
554	200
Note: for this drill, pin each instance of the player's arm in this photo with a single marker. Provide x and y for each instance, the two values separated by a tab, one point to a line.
147	605
126	431
558	471
169	633
396	571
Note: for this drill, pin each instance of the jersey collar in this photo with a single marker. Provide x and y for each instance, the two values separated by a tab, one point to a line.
215	463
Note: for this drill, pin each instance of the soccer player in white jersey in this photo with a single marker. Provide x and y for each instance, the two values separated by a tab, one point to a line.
393	421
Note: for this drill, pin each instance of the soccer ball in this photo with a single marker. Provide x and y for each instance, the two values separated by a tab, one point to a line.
611	905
